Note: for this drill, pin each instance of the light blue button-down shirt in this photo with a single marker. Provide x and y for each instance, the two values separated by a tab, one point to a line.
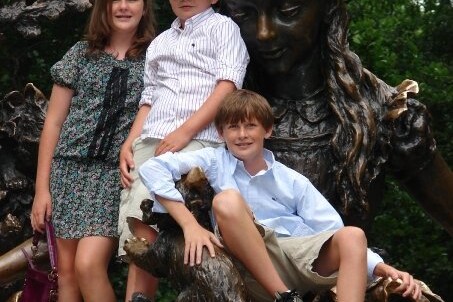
280	198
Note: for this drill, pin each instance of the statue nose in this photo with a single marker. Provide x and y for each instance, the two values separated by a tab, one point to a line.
265	28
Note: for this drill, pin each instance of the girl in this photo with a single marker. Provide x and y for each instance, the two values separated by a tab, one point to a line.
97	86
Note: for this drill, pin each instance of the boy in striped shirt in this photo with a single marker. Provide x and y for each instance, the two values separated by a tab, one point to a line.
189	69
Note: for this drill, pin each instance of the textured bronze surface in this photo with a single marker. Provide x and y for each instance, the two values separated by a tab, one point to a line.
21	121
26	15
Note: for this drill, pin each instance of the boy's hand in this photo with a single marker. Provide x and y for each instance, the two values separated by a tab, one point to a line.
196	237
41	210
409	287
126	164
173	142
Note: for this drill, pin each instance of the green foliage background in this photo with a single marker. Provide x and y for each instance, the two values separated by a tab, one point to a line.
401	39
396	39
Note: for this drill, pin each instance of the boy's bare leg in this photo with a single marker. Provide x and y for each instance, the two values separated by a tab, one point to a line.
139	280
346	253
242	238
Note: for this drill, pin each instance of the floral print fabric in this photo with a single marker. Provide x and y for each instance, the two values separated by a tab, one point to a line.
85	184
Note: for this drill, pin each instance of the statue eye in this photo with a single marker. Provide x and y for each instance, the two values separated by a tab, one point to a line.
241	15
289	10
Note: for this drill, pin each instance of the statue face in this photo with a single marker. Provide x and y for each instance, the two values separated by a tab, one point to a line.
278	33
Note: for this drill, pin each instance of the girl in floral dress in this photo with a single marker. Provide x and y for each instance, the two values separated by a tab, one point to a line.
97	87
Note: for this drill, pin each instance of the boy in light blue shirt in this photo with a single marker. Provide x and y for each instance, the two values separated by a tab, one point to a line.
270	217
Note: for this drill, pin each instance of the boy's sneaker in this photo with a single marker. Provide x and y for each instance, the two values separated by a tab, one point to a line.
289	296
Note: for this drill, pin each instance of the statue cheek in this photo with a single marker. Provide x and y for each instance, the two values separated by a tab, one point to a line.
248	33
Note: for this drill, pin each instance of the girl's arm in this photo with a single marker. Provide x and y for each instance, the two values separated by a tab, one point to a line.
179	138
145	103
126	156
57	112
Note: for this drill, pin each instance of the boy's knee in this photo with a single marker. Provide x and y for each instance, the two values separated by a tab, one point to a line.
350	235
227	204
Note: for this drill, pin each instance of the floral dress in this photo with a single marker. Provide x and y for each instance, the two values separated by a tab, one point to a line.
85	183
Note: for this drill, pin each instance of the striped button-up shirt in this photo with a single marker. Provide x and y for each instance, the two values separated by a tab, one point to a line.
182	67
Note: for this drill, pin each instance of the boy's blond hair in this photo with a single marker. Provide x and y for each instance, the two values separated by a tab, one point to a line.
242	105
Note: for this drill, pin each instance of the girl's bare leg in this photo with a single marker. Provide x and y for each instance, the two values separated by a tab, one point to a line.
68	288
91	264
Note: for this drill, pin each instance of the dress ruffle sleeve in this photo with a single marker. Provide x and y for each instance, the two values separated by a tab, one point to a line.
66	71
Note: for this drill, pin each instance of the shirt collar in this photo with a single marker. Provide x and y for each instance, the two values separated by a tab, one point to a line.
269	158
234	162
194	21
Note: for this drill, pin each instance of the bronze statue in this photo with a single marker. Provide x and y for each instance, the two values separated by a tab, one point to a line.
26	15
336	122
21	120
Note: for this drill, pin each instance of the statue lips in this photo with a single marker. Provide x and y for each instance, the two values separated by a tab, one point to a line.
272	54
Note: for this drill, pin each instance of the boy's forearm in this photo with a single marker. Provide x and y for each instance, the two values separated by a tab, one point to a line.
178	211
206	113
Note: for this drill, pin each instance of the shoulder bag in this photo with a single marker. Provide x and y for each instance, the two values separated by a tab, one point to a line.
41	285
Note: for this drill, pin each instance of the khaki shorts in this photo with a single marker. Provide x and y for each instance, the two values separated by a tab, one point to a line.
143	149
293	259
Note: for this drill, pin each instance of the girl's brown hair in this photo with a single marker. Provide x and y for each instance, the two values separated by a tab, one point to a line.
242	105
98	30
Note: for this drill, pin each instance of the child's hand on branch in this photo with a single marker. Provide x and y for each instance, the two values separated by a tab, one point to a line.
408	286
196	237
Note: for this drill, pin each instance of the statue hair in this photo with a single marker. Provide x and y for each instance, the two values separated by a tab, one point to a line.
359	144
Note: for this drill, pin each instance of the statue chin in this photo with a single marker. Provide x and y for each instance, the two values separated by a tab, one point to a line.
274	67
284	64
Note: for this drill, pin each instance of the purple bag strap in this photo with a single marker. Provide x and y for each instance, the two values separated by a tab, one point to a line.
51	244
29	259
